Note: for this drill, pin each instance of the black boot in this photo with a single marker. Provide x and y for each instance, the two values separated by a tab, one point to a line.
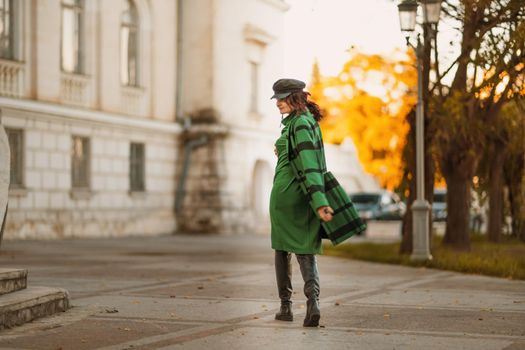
313	314
283	273
308	265
285	314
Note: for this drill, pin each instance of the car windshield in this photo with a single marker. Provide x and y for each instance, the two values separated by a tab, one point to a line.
440	197
365	198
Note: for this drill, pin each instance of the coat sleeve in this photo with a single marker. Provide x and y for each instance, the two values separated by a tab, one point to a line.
308	153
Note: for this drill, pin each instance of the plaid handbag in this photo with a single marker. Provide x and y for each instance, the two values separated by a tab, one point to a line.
345	221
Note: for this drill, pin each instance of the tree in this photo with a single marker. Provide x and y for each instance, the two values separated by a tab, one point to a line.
514	165
488	72
368	101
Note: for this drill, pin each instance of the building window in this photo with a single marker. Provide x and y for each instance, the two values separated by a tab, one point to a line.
71	43
7	28
16	146
129	45
80	163
254	97
136	167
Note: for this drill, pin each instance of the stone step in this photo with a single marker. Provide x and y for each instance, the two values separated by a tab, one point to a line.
12	280
28	304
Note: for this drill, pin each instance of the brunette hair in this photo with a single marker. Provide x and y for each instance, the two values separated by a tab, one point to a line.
299	102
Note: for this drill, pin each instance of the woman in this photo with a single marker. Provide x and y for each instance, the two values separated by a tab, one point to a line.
298	203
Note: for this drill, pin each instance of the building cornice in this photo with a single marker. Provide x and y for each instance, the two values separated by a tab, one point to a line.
278	4
54	111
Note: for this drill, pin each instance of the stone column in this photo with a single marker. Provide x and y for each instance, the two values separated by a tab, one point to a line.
5	165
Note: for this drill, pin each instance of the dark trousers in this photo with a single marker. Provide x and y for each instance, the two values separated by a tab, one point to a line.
283	273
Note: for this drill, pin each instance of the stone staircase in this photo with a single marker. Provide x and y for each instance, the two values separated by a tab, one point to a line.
20	304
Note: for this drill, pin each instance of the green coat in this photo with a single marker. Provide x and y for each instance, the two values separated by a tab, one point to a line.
302	184
295	226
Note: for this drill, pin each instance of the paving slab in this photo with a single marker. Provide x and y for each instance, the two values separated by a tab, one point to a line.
218	292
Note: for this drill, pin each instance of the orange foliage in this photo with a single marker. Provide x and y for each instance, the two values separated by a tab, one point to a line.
368	101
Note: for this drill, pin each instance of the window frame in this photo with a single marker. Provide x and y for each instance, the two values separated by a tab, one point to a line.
12	35
20	155
255	68
137	161
79	10
76	185
130	21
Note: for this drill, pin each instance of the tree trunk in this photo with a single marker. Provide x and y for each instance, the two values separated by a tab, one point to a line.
516	185
458	192
410	159
407	241
496	192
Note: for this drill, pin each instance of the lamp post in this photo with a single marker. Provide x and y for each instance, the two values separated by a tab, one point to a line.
420	207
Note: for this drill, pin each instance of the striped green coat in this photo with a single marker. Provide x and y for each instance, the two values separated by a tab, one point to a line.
307	159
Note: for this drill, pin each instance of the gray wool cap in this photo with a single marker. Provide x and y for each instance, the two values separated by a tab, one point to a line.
284	87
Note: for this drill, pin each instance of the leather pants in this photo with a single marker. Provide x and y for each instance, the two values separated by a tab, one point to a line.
283	273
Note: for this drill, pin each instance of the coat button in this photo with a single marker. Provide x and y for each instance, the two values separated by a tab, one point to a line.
300	173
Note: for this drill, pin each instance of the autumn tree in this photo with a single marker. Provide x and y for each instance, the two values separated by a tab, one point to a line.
368	101
487	72
514	167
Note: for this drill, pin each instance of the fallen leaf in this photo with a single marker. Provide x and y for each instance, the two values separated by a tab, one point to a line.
200	287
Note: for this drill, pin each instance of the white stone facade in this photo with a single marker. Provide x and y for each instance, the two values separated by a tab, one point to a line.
50	106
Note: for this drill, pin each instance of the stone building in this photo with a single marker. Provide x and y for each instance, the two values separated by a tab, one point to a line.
142	116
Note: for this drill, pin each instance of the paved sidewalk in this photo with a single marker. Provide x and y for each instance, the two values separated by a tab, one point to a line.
218	292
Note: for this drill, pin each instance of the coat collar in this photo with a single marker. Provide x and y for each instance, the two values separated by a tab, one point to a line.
290	116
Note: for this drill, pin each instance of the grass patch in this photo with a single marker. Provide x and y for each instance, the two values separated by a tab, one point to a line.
505	259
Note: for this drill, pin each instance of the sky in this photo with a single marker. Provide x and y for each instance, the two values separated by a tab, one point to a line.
326	29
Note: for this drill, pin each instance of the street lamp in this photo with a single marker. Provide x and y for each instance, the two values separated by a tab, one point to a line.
420	207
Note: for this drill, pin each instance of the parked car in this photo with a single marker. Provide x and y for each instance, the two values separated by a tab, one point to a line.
439	205
381	205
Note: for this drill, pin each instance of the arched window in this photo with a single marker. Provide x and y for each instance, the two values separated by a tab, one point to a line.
71	40
7	40
129	45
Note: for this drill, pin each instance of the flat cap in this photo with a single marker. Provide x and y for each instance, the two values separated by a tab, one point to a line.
284	87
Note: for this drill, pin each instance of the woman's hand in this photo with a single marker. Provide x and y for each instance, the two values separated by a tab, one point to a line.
325	213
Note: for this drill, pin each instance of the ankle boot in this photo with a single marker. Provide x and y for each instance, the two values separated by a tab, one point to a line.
285	314
313	314
308	265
